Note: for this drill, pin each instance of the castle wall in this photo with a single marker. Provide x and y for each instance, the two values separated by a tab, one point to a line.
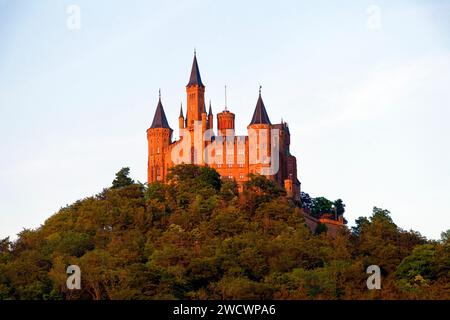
333	226
234	163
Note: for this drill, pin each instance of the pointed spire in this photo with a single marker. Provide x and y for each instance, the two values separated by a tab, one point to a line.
226	98
181	110
210	109
160	120
195	78
260	115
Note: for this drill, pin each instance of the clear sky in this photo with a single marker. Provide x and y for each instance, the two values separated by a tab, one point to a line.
364	85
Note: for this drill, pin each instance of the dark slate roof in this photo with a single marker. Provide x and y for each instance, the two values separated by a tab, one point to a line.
210	109
181	111
195	78
160	120
260	115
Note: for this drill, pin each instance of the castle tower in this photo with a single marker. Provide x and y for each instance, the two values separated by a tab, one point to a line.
225	120
210	117
259	137
159	137
195	91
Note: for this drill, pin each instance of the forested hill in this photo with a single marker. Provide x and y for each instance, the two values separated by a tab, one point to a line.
198	238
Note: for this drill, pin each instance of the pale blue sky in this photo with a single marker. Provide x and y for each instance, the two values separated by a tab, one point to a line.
368	107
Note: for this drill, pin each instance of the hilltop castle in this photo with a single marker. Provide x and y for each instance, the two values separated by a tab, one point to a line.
234	157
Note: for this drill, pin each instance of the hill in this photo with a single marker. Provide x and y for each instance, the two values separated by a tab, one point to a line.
197	237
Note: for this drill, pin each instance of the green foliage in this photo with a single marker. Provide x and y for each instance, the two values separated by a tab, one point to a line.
5	245
68	243
340	207
428	264
258	190
321	205
445	236
379	241
360	224
382	216
122	179
229	190
197	177
321	228
419	263
197	237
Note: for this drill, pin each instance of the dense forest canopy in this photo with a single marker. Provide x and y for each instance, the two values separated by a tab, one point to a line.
197	237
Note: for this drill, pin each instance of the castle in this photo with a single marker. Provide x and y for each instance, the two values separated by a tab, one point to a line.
265	150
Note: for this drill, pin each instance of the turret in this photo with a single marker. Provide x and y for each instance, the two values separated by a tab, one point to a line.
159	137
195	91
181	119
259	137
210	117
225	120
288	187
260	116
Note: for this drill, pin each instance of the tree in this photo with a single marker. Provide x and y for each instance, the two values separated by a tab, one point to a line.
382	215
229	190
195	177
98	273
5	245
320	206
425	272
339	207
445	236
156	190
306	200
360	223
379	241
122	179
258	190
421	263
320	228
261	184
